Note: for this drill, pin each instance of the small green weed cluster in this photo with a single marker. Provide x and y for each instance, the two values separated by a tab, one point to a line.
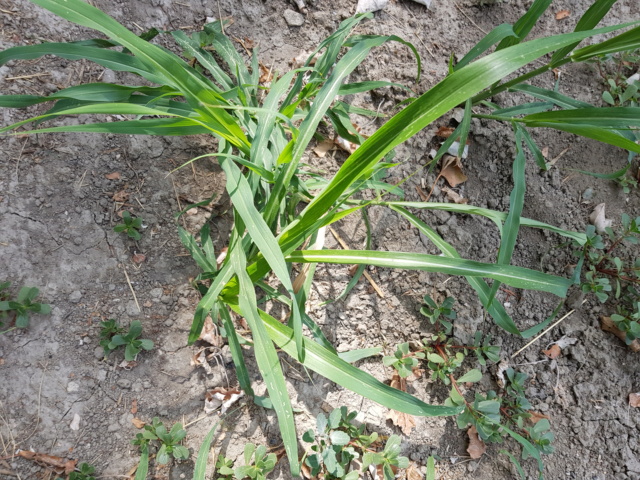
113	336
621	87
342	450
131	226
608	274
494	415
22	306
257	464
167	441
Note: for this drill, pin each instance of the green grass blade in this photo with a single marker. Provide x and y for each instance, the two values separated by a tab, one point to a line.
192	49
116	61
431	468
170	69
261	235
267	359
525	23
143	466
517	277
494	36
207	302
447	94
589	20
196	252
603	135
152	126
236	352
332	367
200	468
495	309
607	176
353	356
496	217
515	463
605	117
524	109
465	125
533	148
516	203
358	87
549	95
627	41
21	101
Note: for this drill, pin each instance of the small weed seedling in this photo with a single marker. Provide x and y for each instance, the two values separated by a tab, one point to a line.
113	336
257	463
338	444
131	226
169	441
434	312
22	306
608	274
85	472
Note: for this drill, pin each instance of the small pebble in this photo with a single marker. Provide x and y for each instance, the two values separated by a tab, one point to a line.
293	19
75	296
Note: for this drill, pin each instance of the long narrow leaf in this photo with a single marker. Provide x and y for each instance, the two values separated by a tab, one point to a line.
515	276
516	203
267	360
627	41
331	366
525	23
494	36
200	468
549	95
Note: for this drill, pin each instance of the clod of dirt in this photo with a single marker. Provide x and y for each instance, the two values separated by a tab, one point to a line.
365	6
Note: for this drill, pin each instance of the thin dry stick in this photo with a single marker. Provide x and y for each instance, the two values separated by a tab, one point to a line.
44	370
25	77
467	17
131	288
543	333
220	18
365	273
20	156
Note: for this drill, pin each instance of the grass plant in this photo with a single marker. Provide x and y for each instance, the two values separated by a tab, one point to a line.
263	130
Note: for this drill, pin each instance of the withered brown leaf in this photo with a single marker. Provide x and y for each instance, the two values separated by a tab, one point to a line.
476	446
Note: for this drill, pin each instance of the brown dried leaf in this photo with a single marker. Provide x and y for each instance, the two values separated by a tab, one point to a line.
444	132
413	473
137	423
58	464
476	446
452	170
266	74
323	147
423	196
608	326
536	417
210	334
634	400
221	398
454	196
403	420
134	406
345	144
553	352
562	14
113	176
398	382
121	196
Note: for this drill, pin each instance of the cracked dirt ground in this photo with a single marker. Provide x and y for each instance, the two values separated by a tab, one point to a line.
58	209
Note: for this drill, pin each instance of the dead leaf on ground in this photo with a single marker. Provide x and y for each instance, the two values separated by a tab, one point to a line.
127	364
562	14
403	420
121	196
476	446
266	74
444	132
634	400
345	144
134	406
112	176
138	423
210	333
323	147
598	219
452	170
221	398
553	352
608	326
454	196
536	417
413	473
398	382
57	464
